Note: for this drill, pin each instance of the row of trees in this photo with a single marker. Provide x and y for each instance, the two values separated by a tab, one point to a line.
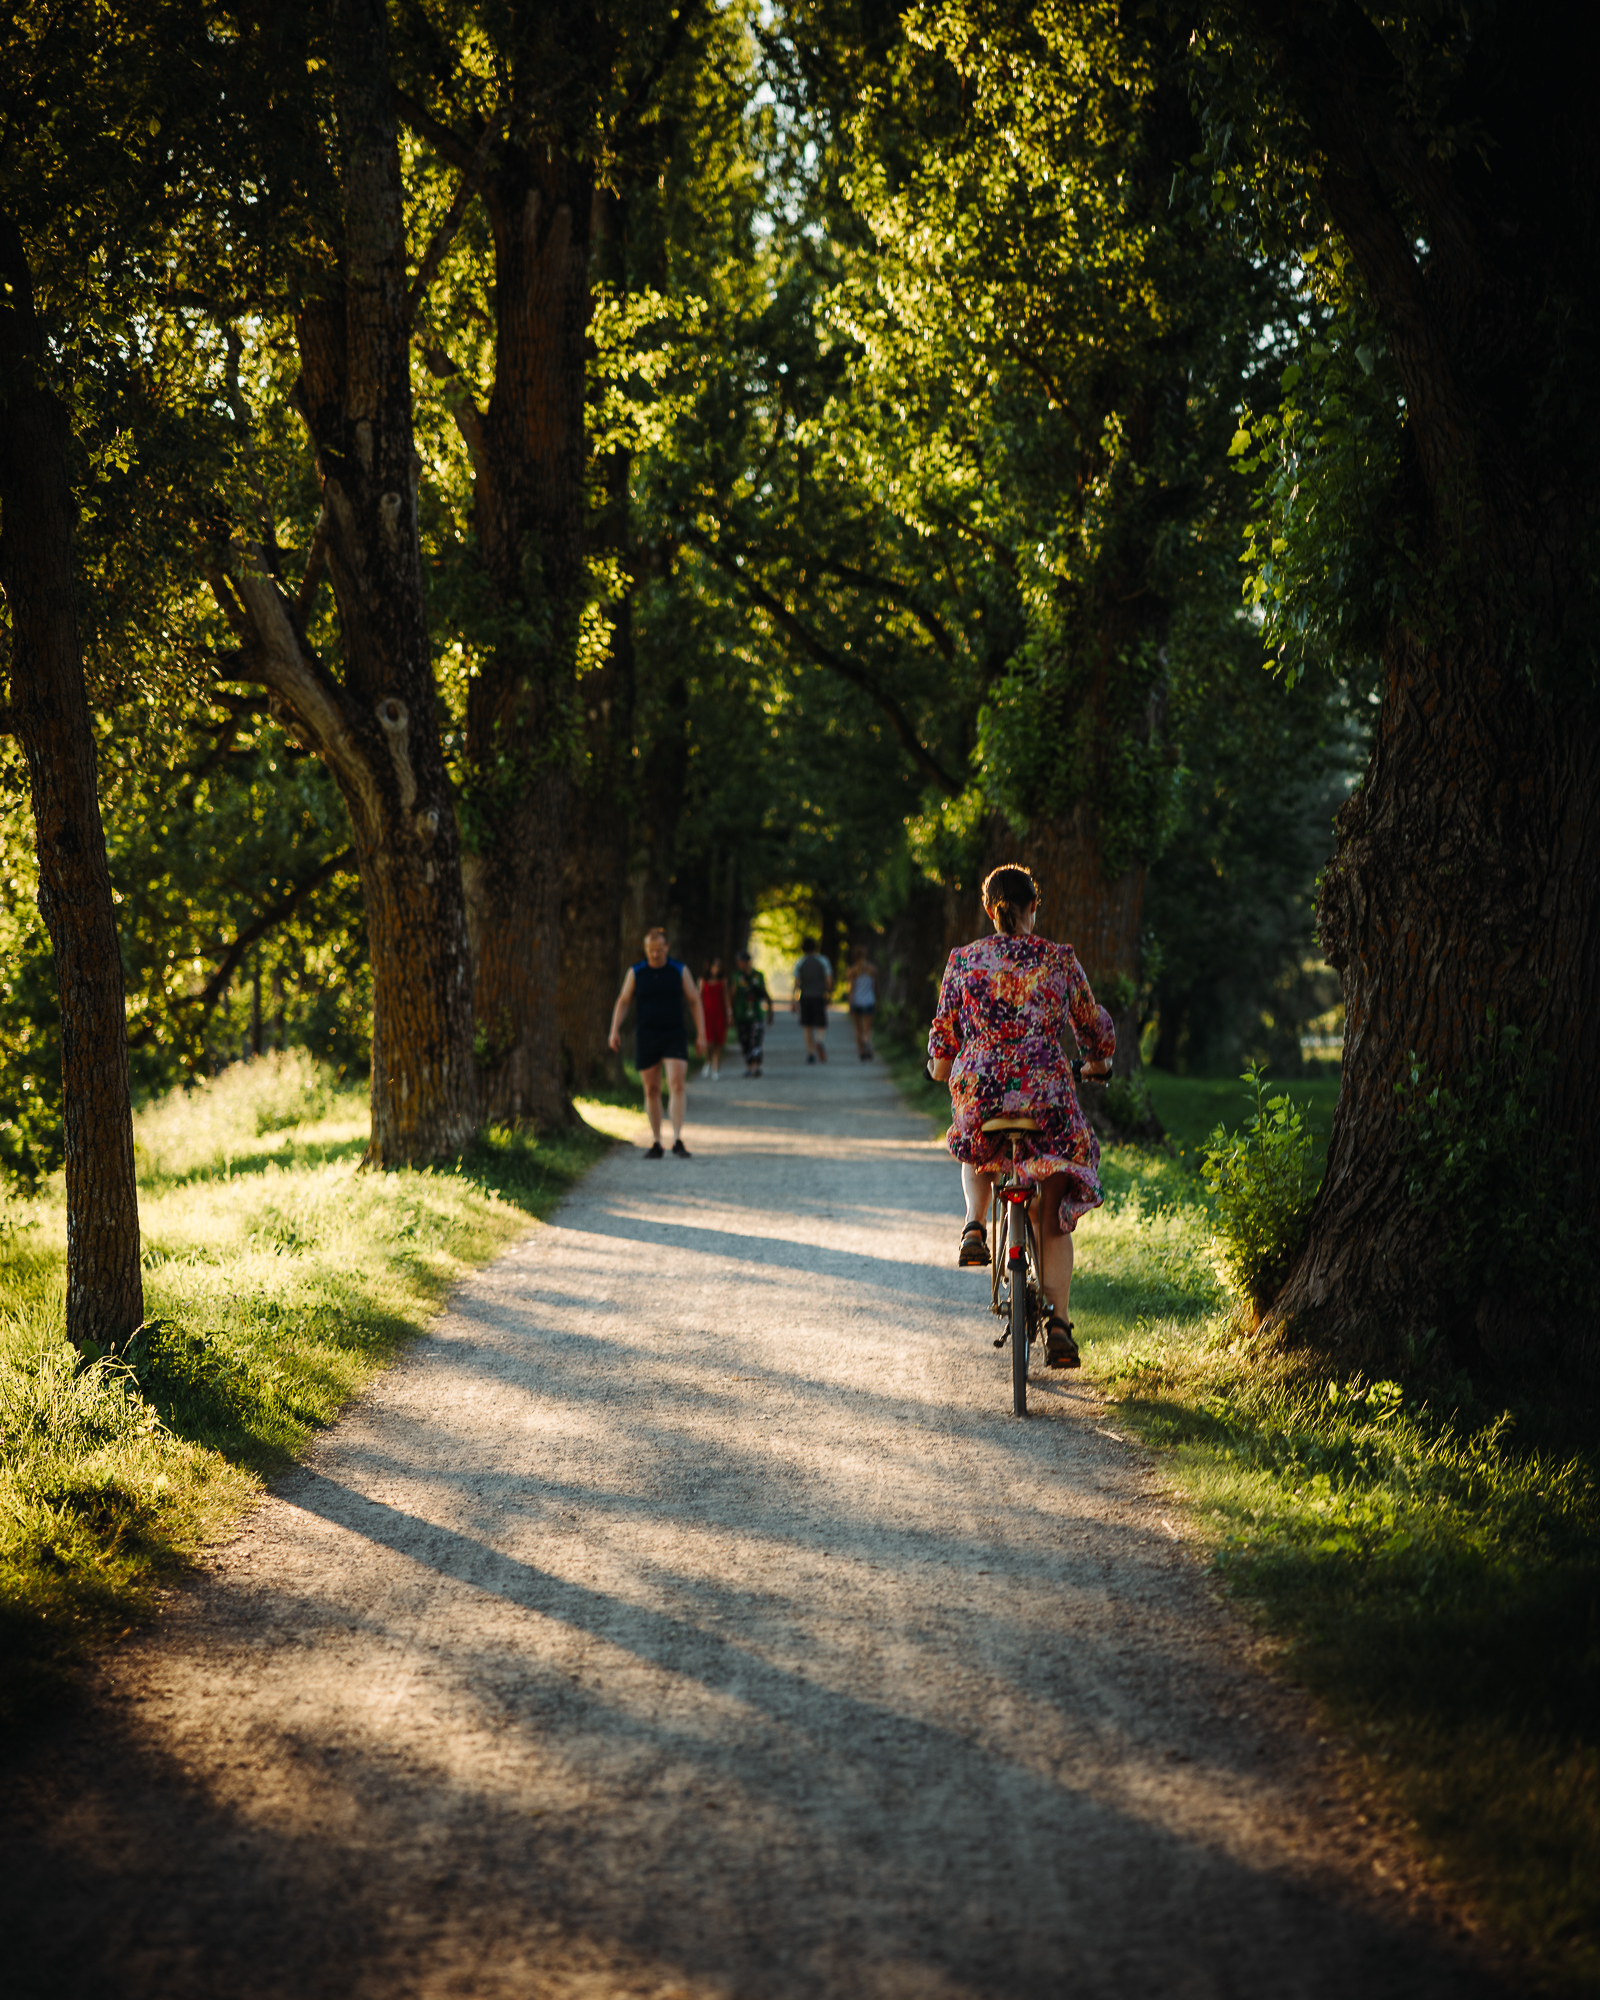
561	463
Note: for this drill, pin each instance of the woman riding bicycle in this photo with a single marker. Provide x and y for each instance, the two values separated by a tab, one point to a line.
997	1038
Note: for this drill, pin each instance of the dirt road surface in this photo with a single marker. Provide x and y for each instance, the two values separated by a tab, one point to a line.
689	1616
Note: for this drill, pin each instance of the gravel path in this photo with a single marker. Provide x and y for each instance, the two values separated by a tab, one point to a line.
689	1616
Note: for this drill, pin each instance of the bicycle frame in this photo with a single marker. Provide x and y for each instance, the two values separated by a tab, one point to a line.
1020	1262
1022	1304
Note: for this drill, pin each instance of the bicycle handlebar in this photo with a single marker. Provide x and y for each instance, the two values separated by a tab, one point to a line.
1078	1076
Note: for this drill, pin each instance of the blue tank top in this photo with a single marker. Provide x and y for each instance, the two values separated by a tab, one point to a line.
658	993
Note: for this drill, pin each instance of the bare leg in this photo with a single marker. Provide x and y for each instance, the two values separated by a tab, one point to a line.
678	1093
1055	1245
977	1189
651	1079
862	1023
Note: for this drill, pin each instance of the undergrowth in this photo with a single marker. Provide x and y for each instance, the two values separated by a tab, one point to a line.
279	1278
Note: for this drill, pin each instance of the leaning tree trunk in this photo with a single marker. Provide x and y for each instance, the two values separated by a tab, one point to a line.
50	714
377	729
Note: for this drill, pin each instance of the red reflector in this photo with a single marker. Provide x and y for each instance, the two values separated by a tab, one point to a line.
1014	1254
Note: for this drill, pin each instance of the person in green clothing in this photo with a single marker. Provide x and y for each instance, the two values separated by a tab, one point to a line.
752	1010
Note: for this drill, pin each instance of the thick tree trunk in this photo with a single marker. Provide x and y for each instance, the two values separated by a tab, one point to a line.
50	713
530	458
1464	880
1099	917
379	730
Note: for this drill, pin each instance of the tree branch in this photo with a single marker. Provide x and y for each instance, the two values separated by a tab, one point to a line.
469	184
269	920
825	656
449	145
313	570
637	102
280	661
897	593
462	406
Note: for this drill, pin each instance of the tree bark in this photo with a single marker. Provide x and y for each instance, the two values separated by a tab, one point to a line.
1099	917
1464	880
50	712
594	951
529	458
377	729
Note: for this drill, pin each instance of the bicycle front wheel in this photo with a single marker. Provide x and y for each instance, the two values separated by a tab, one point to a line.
1017	1279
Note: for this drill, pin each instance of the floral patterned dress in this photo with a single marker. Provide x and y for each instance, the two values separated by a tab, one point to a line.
1002	1009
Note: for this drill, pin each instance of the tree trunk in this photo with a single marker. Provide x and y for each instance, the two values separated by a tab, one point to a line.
529	460
1464	880
50	713
593	950
1100	919
378	731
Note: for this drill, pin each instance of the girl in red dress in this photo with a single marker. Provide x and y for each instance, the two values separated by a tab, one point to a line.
714	998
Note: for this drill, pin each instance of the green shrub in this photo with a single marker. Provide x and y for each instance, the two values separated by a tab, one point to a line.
1263	1183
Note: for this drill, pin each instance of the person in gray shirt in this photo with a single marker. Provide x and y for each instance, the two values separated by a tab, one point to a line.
813	982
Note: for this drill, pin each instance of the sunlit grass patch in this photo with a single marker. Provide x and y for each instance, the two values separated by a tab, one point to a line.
1435	1574
279	1277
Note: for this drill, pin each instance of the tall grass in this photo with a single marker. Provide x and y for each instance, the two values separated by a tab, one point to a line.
279	1278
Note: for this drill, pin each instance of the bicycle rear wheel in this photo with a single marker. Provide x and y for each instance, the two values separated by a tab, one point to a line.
1017	1279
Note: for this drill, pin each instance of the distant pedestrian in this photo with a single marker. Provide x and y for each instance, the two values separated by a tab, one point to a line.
752	1010
813	982
661	985
863	977
714	999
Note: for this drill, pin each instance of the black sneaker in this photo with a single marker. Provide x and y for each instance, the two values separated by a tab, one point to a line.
679	1150
655	1152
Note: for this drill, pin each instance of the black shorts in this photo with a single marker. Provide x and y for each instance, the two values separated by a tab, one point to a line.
813	1013
653	1048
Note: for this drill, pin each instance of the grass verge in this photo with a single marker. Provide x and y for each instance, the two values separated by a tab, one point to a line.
279	1278
1429	1562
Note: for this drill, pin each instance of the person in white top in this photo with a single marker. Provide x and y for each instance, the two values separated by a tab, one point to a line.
813	982
863	999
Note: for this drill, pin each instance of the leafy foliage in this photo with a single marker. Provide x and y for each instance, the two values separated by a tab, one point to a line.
1261	1181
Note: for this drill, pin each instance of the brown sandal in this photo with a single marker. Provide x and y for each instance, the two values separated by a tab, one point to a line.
1060	1349
974	1245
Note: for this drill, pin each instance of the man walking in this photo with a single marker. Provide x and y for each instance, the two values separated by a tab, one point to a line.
752	1010
661	985
813	982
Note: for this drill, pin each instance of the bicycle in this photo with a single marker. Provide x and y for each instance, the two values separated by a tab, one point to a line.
1023	1307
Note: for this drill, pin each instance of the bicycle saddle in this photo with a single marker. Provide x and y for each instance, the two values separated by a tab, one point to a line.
1021	1123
